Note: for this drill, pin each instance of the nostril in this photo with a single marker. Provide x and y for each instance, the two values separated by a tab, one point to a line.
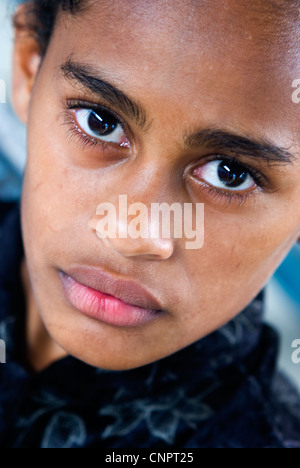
148	249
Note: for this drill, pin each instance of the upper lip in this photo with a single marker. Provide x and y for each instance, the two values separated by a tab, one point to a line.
127	291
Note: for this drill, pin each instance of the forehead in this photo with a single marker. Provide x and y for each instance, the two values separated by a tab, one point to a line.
258	37
213	55
201	23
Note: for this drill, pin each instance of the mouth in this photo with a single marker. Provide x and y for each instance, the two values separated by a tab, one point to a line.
116	302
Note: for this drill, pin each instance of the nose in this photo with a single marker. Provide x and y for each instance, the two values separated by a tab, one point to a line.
132	231
151	249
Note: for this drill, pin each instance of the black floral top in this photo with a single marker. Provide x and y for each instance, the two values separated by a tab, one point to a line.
222	392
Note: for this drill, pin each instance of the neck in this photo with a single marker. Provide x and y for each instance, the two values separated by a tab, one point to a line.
42	350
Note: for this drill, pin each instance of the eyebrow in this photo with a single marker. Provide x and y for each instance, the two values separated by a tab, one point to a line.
86	77
239	145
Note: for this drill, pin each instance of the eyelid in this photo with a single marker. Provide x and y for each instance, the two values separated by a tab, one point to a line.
229	197
240	198
73	104
258	176
84	140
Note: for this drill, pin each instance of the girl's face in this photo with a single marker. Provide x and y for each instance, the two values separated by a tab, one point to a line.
162	101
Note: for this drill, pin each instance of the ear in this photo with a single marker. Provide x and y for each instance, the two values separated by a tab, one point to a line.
26	61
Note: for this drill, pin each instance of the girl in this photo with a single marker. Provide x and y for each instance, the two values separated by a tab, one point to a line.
137	341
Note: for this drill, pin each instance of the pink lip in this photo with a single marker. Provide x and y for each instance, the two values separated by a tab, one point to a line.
115	302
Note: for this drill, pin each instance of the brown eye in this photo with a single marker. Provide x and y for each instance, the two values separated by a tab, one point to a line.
101	126
226	175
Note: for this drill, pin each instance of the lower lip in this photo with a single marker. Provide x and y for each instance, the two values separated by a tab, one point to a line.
103	307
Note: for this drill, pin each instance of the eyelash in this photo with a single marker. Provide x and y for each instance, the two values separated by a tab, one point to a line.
229	197
75	131
234	196
215	193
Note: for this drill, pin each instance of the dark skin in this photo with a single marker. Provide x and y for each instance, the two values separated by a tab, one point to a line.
227	67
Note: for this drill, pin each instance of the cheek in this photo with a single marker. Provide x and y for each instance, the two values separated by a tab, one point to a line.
59	199
238	258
